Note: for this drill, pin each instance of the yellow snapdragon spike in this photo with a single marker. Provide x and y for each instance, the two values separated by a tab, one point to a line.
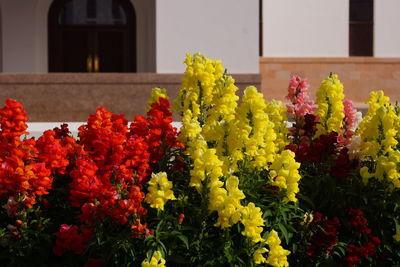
330	105
155	94
378	132
253	222
227	202
285	174
252	134
156	260
277	114
159	191
200	77
277	255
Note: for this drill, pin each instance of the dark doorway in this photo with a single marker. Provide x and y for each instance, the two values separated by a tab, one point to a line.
92	36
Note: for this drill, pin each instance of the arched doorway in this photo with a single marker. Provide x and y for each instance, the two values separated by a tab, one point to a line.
92	36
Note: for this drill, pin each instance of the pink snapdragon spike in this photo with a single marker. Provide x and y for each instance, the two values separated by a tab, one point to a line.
298	96
350	122
350	117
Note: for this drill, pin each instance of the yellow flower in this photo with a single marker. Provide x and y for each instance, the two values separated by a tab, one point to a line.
156	260
285	174
330	105
277	255
159	191
252	134
155	94
258	256
378	132
227	202
253	222
277	114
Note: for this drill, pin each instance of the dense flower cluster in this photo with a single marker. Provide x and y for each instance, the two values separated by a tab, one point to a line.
222	138
233	173
114	162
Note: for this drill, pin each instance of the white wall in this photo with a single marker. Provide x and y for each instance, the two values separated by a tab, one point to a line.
221	29
386	28
306	28
24	35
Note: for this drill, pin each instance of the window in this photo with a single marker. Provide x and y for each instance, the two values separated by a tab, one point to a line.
102	12
361	27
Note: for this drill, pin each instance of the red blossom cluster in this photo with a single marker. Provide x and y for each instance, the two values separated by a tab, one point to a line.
354	253
316	150
71	238
24	175
326	235
157	129
113	162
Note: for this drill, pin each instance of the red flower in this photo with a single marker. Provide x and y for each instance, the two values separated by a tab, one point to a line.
71	238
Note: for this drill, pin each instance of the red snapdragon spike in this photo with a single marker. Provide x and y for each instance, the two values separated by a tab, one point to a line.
52	152
71	238
13	118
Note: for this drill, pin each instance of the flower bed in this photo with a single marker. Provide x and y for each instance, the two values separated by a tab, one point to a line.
234	187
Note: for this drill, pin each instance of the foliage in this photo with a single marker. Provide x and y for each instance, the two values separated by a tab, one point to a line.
233	187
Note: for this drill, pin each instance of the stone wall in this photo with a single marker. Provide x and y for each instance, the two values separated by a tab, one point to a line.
69	97
360	75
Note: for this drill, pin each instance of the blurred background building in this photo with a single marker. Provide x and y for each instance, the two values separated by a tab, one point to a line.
63	58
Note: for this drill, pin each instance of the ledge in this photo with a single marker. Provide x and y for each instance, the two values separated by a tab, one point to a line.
330	60
107	78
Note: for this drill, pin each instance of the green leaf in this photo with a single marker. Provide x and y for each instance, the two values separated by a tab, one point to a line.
184	239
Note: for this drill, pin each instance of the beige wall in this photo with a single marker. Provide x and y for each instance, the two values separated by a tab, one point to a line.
306	28
387	28
360	75
222	29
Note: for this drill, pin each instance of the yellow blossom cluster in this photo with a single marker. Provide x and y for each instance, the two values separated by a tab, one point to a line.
252	134
218	134
277	255
227	202
253	222
277	114
196	93
155	94
159	191
156	260
285	174
330	105
378	133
